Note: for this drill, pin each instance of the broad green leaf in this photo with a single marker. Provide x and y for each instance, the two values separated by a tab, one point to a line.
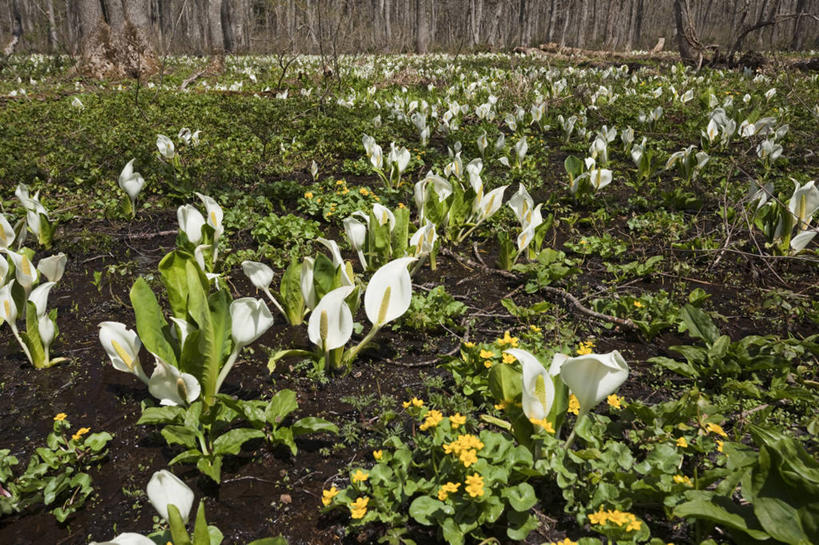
312	424
201	536
721	511
177	525
291	296
211	467
282	404
172	268
161	415
521	497
151	325
423	509
180	435
232	441
504	383
269	541
699	324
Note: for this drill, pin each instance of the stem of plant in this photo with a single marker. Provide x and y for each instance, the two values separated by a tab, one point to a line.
228	365
20	340
351	355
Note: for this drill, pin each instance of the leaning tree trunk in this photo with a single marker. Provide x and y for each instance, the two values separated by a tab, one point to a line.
119	47
683	43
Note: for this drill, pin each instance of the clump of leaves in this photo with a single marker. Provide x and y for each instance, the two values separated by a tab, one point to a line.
433	311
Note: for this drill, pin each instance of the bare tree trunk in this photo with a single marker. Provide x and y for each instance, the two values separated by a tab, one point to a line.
217	36
421	27
584	23
52	27
17	29
680	15
796	41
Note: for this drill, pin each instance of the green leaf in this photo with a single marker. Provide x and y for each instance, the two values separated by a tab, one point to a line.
177	525
32	337
201	536
212	467
720	510
151	325
312	424
174	277
97	441
678	367
424	508
269	541
521	497
699	324
232	441
180	435
282	404
187	457
161	415
504	383
291	296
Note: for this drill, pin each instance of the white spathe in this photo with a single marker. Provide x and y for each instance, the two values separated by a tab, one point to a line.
53	266
165	489
331	323
538	388
593	377
191	222
259	274
122	346
389	292
171	386
249	319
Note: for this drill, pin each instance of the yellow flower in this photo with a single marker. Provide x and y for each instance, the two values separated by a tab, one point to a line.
719	445
486	354
376	198
339	182
465	447
60	417
583	241
536	329
564	541
328	495
447	489
638	304
360	476
715	428
469	345
682	443
574	404
599	517
507	340
543	423
415	402
401	205
474	485
344	191
487	364
500	406
508	358
308	195
634	526
457	420
378	454
683	479
585	348
359	507
432	419
80	433
364	191
615	401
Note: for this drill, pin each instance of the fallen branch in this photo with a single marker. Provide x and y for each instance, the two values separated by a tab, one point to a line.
469	263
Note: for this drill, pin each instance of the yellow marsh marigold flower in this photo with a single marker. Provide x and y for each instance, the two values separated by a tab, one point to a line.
340	182
378	454
615	401
487	363
328	495
415	402
500	406
507	340
565	541
360	476
359	507
447	489
308	195
469	345
585	348
536	329
401	205
682	443
80	433
508	358
638	304
486	354
457	420
683	479
474	485
599	518
719	445
543	423
715	428
364	191
60	417
634	526
574	404
432	419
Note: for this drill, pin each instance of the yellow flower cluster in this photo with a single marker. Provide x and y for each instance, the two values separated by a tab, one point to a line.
466	448
683	479
574	404
328	495
308	195
535	328
719	445
586	347
457	420
80	433
620	518
359	507
507	340
415	402
615	401
432	419
60	417
509	358
360	476
474	485
486	354
447	489
543	423
682	442
469	344
565	541
715	428
638	304
378	454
